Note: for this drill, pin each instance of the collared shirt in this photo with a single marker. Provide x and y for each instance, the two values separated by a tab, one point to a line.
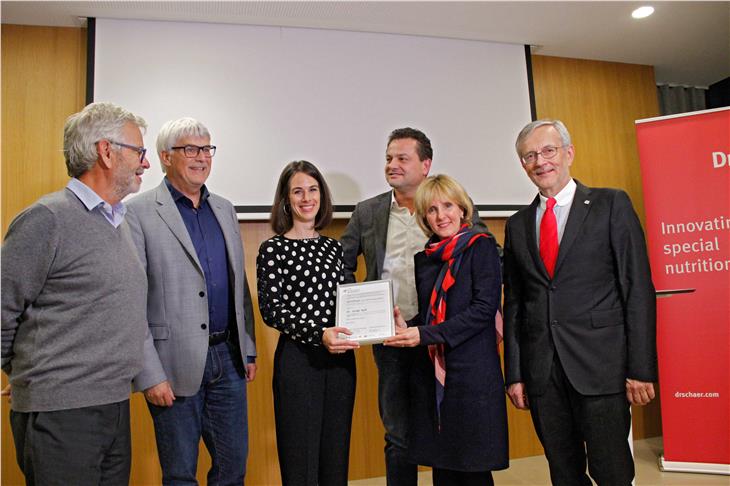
563	201
210	246
114	214
405	239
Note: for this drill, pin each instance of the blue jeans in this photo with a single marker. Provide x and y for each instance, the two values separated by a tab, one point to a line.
394	366
217	413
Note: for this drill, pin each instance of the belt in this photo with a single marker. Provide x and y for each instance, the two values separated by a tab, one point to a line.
218	337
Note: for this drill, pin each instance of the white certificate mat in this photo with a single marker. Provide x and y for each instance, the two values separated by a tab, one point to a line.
366	309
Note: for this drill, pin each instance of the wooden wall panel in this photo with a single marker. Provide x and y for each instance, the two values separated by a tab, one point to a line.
43	79
599	102
43	73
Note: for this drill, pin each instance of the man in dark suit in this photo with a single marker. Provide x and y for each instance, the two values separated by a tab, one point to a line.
385	231
580	314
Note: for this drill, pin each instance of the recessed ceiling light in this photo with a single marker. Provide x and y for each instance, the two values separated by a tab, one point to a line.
642	12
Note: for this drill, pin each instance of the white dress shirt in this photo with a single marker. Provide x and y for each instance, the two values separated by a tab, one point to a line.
563	200
405	239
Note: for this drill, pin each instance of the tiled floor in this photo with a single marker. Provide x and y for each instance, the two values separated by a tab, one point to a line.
533	471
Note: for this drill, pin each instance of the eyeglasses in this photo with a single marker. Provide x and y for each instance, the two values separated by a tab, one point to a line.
547	153
140	150
194	150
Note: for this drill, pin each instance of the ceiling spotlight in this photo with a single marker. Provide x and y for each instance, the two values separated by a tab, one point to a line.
642	12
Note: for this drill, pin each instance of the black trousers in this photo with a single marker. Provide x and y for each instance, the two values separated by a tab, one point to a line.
314	395
394	374
447	477
572	426
87	446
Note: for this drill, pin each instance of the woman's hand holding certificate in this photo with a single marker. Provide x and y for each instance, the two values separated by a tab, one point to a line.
334	343
405	337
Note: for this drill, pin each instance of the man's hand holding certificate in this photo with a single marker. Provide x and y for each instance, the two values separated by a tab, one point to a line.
366	310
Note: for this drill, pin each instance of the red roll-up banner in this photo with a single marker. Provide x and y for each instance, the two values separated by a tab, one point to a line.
685	166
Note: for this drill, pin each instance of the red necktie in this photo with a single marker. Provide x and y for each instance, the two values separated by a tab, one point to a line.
549	238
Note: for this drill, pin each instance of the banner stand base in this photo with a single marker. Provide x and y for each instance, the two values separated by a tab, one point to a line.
693	467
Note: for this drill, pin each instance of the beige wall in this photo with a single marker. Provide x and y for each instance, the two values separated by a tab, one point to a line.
43	80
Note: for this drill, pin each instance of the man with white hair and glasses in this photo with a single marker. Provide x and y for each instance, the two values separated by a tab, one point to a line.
73	323
580	314
200	352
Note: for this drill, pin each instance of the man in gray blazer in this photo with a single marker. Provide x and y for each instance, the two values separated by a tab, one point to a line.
200	350
385	231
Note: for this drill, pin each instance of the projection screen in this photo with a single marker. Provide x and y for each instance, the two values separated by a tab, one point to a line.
270	95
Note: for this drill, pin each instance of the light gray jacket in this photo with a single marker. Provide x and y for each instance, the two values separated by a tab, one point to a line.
177	305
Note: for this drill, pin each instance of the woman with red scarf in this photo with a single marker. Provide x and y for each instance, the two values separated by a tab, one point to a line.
458	419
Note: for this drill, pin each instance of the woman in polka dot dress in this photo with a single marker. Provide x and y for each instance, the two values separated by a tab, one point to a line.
314	370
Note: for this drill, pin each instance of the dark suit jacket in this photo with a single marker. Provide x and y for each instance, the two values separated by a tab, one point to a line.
598	313
367	233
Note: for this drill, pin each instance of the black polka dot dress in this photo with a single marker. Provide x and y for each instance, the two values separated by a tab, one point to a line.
314	390
297	285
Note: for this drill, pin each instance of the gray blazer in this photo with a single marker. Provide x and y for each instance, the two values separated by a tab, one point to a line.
177	344
367	233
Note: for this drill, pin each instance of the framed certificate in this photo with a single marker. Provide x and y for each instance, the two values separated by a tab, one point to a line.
366	309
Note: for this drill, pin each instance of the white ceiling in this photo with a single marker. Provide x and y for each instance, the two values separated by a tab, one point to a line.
688	43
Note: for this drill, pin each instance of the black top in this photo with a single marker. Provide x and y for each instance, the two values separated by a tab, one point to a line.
297	285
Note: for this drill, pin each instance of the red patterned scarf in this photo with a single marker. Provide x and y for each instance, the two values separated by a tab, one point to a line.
449	251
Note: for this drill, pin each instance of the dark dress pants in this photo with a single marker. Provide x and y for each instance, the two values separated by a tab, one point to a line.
394	366
87	446
314	396
571	426
447	477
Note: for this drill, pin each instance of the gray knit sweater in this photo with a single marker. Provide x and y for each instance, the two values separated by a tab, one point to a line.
73	307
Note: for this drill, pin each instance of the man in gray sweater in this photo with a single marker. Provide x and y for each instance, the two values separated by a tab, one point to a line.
73	309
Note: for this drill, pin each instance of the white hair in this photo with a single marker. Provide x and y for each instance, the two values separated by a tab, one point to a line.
174	130
531	127
97	121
